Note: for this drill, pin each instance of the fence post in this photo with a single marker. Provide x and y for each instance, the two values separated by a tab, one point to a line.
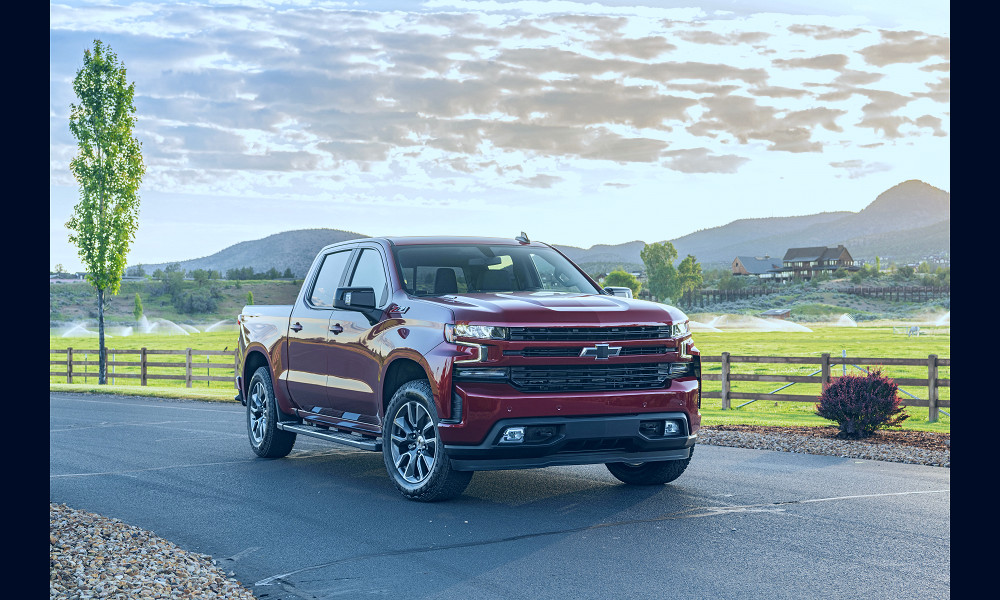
824	366
69	365
112	366
187	368
932	388
725	381
208	361
142	366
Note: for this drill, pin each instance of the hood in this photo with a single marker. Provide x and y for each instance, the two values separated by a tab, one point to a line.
525	309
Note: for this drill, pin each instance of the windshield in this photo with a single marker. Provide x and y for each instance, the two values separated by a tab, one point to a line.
433	270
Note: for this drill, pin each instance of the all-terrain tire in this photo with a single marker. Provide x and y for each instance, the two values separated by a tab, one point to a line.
266	439
650	473
413	454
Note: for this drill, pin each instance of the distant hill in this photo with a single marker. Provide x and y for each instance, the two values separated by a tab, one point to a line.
293	250
906	223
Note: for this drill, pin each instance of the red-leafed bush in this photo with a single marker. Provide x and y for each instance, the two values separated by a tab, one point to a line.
862	404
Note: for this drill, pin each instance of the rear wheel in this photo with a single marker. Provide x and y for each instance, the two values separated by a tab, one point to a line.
649	473
413	454
266	439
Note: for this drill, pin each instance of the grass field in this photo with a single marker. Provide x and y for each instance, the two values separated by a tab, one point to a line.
859	342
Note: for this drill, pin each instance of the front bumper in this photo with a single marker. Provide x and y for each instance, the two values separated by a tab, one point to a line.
576	441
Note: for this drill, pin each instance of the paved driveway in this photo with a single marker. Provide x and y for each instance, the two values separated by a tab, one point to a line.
326	521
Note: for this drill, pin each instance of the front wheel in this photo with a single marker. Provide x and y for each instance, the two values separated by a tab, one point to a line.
650	473
413	454
266	439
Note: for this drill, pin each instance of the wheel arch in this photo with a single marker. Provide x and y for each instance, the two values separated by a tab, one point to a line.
400	370
255	359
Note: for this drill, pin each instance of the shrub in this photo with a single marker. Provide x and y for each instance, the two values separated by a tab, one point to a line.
862	404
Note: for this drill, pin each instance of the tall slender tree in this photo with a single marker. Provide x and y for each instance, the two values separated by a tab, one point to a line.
109	169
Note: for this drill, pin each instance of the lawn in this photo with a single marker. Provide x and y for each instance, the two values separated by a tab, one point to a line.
858	342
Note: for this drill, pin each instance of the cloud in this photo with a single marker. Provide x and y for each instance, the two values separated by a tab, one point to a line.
834	62
700	160
859	168
822	32
730	39
539	181
906	47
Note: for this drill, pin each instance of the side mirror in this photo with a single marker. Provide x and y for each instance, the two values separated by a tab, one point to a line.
354	298
624	292
358	299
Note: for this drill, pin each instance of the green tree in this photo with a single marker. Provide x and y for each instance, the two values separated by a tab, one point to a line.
619	278
660	272
60	269
137	307
689	273
250	297
109	169
288	273
200	276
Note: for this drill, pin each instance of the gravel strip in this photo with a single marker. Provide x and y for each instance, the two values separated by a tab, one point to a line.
821	441
91	556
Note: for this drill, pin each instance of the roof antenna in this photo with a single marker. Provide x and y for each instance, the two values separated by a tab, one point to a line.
523	238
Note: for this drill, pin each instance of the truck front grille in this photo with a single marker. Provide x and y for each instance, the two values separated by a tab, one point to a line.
589	378
589	334
574	352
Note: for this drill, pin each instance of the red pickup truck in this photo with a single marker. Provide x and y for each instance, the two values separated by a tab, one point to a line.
453	355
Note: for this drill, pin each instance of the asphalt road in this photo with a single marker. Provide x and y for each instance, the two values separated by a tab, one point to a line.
326	522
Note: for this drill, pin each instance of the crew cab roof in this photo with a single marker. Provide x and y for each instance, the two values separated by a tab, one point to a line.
418	240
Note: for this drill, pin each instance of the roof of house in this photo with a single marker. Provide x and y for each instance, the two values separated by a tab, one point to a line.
813	253
756	266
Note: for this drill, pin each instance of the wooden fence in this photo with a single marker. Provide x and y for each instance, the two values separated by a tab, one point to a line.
825	362
933	383
692	298
91	358
905	293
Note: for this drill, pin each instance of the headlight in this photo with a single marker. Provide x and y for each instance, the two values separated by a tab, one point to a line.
479	332
679	329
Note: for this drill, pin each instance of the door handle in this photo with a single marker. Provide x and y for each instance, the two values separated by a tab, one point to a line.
296	327
336	329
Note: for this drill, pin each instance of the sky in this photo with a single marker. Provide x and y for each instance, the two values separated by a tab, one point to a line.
579	123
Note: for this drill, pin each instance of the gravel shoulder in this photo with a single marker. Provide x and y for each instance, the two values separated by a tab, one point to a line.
91	556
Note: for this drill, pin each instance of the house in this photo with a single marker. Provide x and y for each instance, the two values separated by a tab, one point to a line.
763	267
797	262
777	313
806	262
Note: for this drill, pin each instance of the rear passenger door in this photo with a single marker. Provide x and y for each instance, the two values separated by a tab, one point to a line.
309	334
355	353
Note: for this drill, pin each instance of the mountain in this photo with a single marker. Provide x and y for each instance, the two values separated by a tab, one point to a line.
293	250
906	223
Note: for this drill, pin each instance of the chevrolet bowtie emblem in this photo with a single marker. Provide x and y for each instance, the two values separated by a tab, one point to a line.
601	351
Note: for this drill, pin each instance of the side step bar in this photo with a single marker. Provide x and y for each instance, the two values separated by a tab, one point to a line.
333	436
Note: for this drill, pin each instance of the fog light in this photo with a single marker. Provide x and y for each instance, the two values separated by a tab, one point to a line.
670	427
512	435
